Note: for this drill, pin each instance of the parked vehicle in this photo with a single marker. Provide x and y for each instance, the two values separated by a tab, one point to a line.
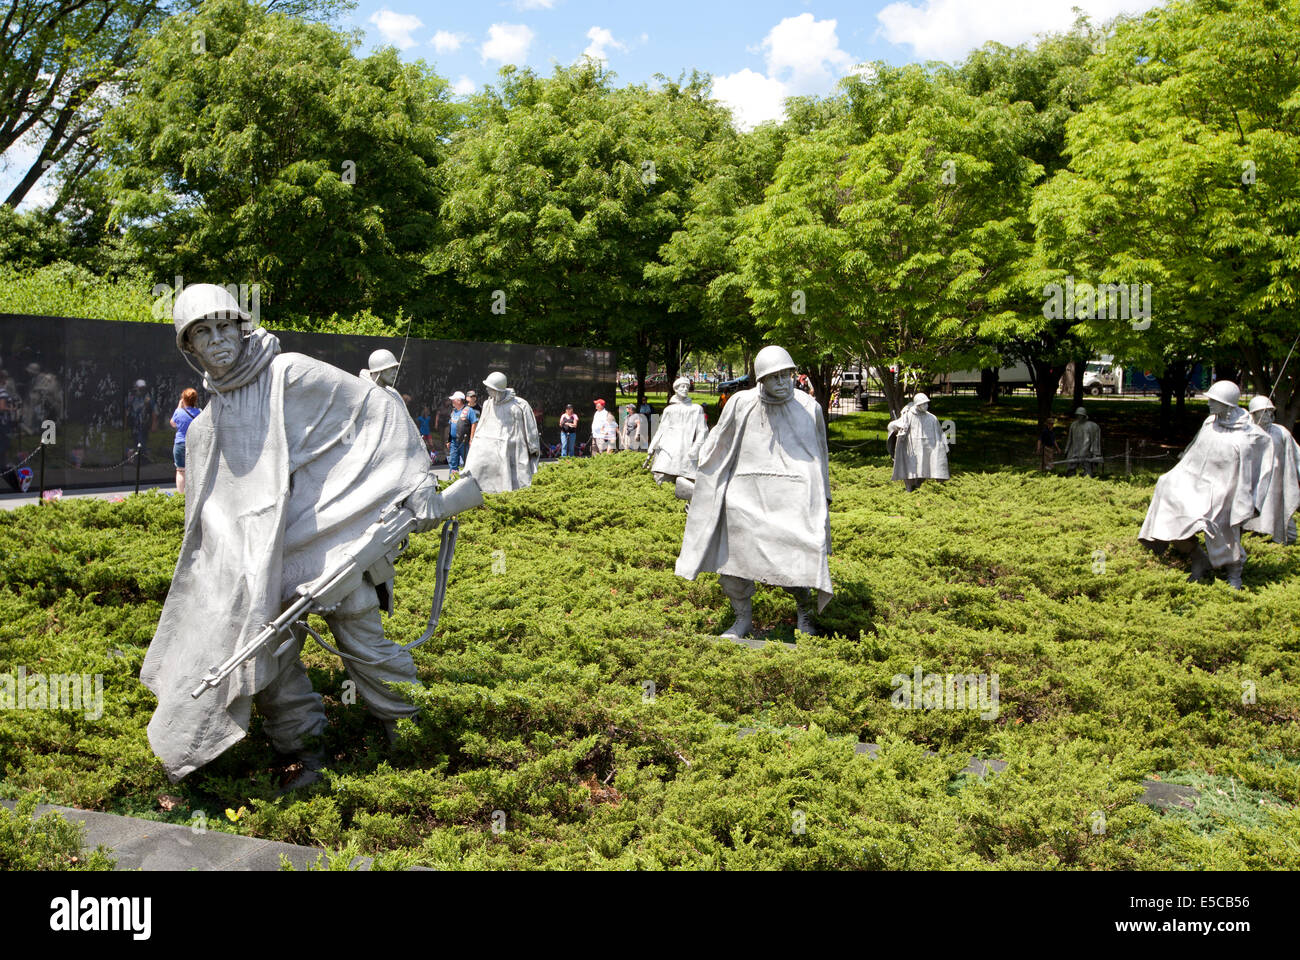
728	387
1100	376
1009	378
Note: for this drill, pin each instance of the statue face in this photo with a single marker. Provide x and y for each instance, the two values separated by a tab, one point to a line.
683	391
779	385
1263	417
495	394
1219	410
922	407
217	343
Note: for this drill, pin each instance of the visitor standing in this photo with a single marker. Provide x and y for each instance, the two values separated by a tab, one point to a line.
604	430
1047	447
186	411
424	423
462	424
568	431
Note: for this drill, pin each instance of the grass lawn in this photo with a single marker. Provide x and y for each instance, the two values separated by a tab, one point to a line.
577	699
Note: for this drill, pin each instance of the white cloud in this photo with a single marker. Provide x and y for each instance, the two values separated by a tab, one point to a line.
507	43
445	41
949	29
803	56
534	4
463	86
752	97
803	52
396	28
600	39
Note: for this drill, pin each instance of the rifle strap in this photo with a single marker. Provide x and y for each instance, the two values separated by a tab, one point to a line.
446	552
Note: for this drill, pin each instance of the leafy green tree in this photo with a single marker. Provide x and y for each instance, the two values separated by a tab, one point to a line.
1041	86
62	62
884	235
560	192
256	147
1184	174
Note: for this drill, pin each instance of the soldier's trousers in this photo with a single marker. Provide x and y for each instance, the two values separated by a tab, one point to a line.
292	711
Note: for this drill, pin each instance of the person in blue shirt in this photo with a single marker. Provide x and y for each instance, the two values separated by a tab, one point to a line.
463	423
424	423
185	413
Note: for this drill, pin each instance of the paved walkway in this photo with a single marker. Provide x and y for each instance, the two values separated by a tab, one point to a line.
149	845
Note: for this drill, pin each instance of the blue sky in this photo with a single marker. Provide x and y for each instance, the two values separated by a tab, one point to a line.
758	51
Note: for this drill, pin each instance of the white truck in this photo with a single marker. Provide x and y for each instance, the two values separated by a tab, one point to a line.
1101	376
1009	378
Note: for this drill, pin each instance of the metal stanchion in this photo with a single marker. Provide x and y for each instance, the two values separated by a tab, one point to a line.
137	468
43	445
1128	466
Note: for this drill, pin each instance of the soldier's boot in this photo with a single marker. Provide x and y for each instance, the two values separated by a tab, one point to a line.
803	602
1232	573
1290	531
390	728
1200	565
741	593
312	761
744	623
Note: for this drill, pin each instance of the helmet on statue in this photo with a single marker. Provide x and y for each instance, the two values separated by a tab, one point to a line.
771	360
205	301
1225	391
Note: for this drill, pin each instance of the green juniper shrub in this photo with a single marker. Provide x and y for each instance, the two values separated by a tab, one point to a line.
578	710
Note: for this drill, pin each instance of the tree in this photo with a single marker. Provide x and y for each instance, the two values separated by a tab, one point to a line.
697	273
560	192
269	154
1184	175
884	234
63	61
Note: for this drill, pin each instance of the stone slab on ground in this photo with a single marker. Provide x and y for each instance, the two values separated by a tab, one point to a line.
151	845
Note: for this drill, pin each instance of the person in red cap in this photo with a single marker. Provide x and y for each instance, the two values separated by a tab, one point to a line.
604	430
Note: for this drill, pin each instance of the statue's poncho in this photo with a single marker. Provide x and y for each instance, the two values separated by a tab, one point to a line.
1281	498
922	450
291	462
635	434
760	505
1083	443
504	452
677	442
1214	489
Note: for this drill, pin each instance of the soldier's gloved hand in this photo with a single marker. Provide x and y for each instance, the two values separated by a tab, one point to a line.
426	503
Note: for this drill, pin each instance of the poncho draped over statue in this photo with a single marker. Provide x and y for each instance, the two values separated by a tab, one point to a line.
1083	444
504	452
1214	489
760	506
677	442
921	451
1281	498
290	464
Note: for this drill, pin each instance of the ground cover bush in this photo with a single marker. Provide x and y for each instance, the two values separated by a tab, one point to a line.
578	711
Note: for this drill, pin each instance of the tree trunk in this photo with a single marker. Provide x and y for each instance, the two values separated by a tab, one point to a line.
988	388
892	387
1177	373
1166	395
641	363
1047	378
672	361
821	375
1080	367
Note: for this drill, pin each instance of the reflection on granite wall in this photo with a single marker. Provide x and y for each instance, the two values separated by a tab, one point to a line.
82	375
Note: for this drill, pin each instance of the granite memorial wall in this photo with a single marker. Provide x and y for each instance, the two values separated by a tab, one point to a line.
81	374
